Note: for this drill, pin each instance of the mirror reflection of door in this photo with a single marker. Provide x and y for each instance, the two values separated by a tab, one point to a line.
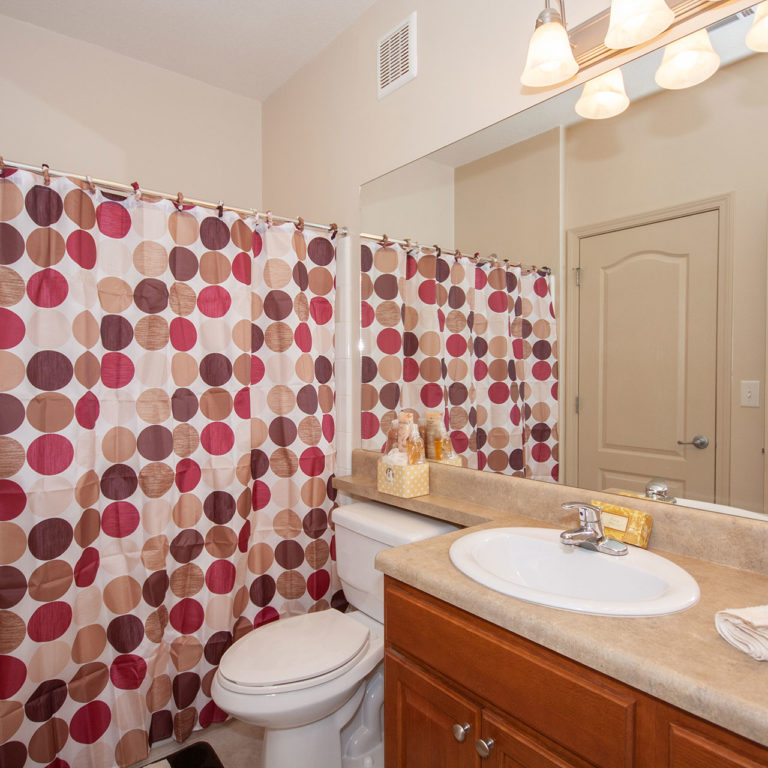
647	355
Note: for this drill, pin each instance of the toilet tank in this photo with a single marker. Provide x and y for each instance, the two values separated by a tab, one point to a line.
363	529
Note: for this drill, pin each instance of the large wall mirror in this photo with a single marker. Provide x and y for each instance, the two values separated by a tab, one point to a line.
662	214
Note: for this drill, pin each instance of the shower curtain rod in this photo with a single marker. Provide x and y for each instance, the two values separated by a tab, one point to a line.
179	199
384	240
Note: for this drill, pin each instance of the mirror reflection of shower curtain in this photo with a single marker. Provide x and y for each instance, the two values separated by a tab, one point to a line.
475	341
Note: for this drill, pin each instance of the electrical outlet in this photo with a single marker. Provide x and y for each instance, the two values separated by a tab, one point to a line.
750	394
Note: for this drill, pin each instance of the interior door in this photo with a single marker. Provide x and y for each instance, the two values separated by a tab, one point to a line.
647	356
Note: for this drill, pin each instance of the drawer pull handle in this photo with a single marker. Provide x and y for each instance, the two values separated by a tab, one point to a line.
484	747
460	731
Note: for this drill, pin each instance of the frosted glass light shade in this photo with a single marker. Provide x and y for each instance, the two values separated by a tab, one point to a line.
550	58
636	21
687	62
603	97
757	37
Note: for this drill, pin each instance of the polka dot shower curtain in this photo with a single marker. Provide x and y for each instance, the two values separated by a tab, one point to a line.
166	451
476	341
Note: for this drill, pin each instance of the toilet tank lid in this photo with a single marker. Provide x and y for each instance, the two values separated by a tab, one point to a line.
389	525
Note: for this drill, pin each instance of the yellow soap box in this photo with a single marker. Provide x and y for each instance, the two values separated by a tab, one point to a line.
625	524
405	481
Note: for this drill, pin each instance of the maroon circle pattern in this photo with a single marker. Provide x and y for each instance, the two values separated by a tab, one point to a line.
166	452
477	341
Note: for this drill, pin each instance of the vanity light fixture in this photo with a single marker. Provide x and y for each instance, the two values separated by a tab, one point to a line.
604	96
757	37
687	62
633	22
550	58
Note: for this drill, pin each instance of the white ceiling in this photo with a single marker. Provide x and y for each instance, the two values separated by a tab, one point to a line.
250	47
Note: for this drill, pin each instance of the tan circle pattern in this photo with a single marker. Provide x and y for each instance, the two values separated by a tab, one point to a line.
11	287
45	246
150	258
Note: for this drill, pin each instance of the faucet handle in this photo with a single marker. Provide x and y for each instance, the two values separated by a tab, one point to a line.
588	513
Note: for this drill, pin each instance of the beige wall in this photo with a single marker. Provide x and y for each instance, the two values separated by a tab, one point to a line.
83	109
508	203
679	147
415	201
327	128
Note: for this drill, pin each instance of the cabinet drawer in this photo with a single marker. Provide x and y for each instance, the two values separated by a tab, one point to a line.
564	701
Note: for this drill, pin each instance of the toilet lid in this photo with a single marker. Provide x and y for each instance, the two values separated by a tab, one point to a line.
294	649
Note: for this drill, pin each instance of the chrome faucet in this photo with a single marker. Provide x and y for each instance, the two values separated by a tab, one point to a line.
590	533
658	490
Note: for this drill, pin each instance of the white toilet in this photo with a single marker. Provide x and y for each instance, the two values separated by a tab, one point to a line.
315	682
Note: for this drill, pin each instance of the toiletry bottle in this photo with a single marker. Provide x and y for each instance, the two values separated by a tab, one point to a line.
404	425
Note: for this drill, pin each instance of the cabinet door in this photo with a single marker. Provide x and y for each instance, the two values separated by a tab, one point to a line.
420	716
692	744
515	746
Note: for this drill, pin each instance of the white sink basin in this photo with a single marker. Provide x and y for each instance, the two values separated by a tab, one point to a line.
723	509
532	564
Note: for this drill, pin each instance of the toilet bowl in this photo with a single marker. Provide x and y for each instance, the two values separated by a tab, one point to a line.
305	696
315	682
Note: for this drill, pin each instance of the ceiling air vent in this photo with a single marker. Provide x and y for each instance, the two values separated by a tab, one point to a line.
397	57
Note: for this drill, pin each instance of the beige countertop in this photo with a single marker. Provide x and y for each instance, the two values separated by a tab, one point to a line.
679	658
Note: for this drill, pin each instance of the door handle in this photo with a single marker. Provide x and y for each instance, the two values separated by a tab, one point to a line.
699	441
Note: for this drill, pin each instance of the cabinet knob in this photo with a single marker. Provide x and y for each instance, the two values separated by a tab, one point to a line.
460	731
484	747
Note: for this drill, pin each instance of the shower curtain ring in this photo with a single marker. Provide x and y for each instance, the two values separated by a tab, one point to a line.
179	202
269	218
438	250
220	209
457	254
299	224
46	174
91	185
334	229
136	190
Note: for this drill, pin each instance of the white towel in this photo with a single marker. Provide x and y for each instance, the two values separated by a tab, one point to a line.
745	629
161	764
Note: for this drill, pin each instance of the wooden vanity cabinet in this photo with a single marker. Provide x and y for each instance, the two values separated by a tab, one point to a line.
453	679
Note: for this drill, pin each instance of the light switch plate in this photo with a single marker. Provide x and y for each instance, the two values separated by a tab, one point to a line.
750	394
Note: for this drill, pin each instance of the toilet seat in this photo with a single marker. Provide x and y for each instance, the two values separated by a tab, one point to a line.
294	653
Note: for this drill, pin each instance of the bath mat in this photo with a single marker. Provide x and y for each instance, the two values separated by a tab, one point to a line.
199	755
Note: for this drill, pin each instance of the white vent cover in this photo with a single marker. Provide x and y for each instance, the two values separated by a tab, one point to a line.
397	57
